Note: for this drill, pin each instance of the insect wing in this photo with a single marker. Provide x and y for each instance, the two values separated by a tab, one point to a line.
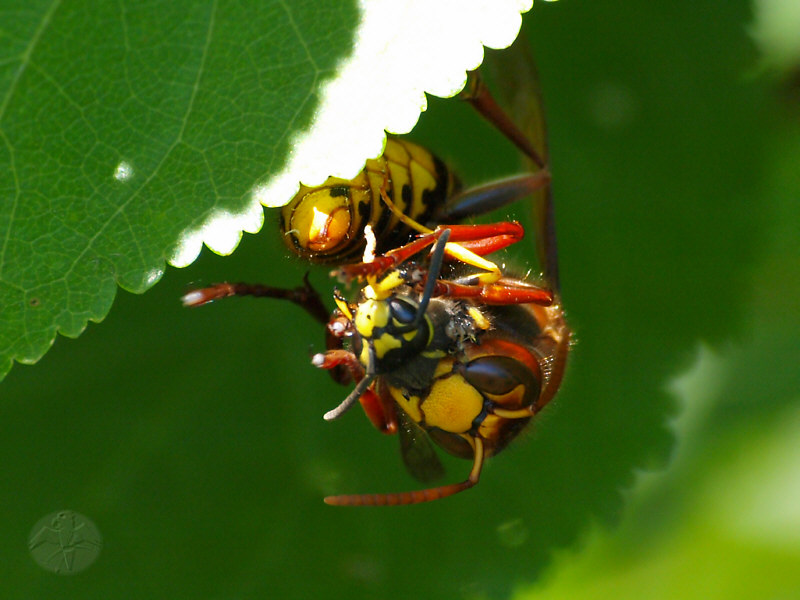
417	450
517	82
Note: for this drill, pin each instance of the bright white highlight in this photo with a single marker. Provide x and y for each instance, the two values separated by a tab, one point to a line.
403	49
123	172
192	298
372	243
152	276
221	232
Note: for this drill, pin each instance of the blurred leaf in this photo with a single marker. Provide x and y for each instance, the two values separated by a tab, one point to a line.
723	521
774	29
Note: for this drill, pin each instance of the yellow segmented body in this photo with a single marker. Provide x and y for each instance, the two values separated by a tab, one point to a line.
325	224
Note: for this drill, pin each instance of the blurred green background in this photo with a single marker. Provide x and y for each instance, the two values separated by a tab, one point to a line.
667	467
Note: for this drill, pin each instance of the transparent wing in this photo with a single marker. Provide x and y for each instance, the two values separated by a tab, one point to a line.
417	450
514	75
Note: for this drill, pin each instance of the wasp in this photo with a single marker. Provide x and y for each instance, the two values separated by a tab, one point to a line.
327	223
465	362
462	359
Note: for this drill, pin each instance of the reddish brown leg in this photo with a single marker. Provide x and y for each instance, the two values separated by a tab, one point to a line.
381	416
416	496
495	293
487	245
304	296
481	239
485	239
478	95
523	94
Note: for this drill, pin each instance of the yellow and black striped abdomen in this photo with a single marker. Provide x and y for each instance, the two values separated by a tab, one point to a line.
326	224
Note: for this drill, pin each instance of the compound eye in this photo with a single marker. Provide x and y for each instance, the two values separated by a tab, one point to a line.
402	310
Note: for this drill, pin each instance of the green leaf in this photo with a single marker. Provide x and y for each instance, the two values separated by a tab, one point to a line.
122	125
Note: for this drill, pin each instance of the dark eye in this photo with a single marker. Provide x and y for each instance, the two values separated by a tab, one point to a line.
402	310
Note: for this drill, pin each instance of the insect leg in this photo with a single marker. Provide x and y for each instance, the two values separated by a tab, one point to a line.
485	198
381	416
478	95
496	293
304	296
522	94
467	244
416	496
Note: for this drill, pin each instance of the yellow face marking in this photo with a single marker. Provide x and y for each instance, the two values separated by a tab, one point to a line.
385	343
410	335
452	405
369	292
429	325
369	315
363	358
